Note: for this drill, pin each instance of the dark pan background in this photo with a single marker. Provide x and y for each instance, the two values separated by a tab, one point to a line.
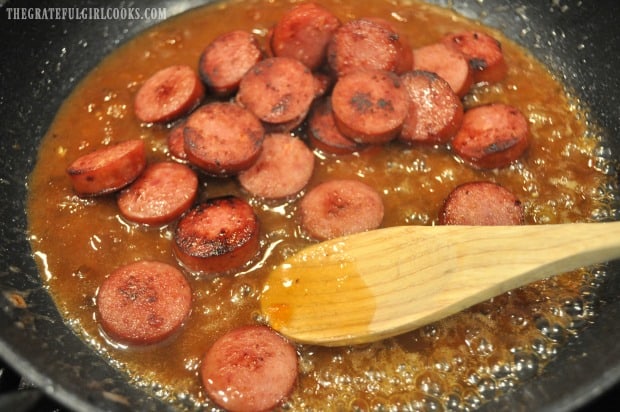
41	62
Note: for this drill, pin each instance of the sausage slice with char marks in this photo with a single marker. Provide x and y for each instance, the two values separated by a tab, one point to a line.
108	169
435	111
249	369
482	204
278	90
223	138
448	64
227	59
283	168
370	106
492	136
161	194
340	207
176	143
143	302
368	44
323	132
303	34
484	53
217	236
323	83
168	94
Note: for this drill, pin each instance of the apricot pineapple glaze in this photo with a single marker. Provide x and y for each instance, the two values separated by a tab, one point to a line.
458	363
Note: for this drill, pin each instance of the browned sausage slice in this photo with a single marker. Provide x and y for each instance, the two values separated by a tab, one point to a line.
277	90
323	132
368	44
448	64
303	33
370	106
435	111
267	43
323	83
223	138
143	302
404	52
176	143
250	368
484	53
283	168
168	94
492	136
161	194
226	59
109	169
217	236
483	204
285	127
340	207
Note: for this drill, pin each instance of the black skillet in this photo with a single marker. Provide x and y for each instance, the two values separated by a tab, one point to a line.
41	62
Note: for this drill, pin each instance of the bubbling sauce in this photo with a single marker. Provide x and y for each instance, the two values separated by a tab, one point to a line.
455	364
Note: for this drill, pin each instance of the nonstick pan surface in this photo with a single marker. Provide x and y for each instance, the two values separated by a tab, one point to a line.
43	60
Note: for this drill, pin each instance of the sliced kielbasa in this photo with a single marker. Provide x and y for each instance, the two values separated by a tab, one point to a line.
223	138
323	132
168	94
267	43
492	136
250	368
285	127
283	168
176	143
217	236
435	111
143	302
370	106
340	207
484	53
323	83
161	194
303	33
226	60
278	90
483	204
368	44
108	169
448	64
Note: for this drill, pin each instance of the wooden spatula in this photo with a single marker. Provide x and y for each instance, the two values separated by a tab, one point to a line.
381	283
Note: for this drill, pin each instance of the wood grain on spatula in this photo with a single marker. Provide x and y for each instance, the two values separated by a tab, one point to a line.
381	283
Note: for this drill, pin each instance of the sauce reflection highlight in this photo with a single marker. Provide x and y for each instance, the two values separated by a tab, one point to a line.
302	298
